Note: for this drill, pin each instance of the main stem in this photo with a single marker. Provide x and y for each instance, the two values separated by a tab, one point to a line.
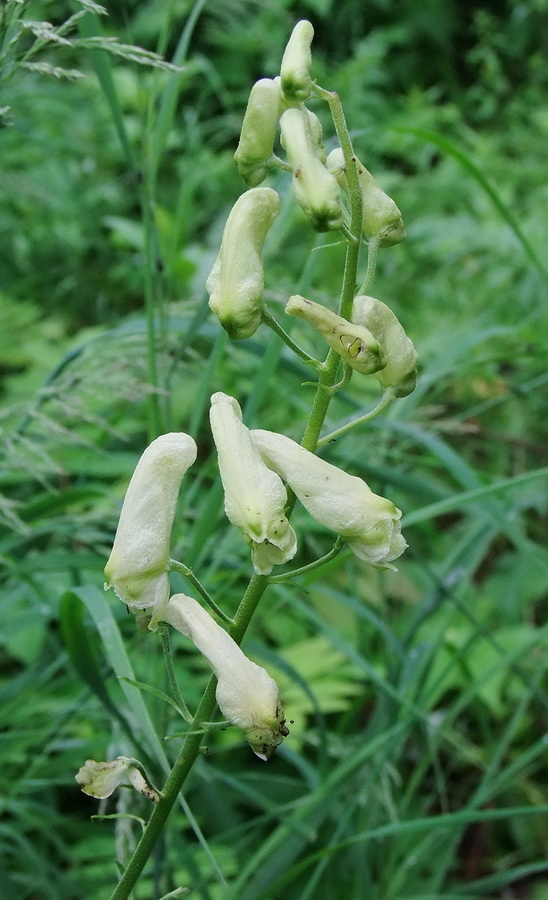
258	583
188	753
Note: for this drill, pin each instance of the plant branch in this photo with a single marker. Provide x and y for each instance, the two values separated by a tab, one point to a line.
385	401
289	576
168	659
272	323
372	252
176	566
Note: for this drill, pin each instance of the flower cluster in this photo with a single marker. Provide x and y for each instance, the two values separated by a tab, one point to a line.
256	466
373	342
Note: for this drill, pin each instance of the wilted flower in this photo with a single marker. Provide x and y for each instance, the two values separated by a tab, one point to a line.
236	281
246	694
256	145
100	779
354	343
139	562
341	502
316	190
254	495
400	371
296	61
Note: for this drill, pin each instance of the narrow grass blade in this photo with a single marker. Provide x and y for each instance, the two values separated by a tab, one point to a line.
451	149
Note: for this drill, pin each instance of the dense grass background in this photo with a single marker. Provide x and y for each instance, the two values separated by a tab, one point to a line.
416	767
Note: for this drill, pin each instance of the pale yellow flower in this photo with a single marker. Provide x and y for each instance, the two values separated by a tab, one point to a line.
247	696
344	503
254	495
138	565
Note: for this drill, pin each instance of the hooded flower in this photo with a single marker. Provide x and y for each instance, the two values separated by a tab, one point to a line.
256	145
138	565
355	344
342	502
296	61
100	779
380	216
400	371
236	282
254	495
316	190
246	694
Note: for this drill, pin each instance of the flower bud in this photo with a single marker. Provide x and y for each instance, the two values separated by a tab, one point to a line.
258	132
341	502
138	565
100	779
236	281
255	497
315	189
296	61
400	371
380	217
354	343
246	694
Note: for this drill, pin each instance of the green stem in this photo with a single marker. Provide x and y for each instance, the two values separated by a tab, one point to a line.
328	373
176	566
176	778
344	380
388	396
354	199
275	163
288	576
188	753
372	252
272	323
168	659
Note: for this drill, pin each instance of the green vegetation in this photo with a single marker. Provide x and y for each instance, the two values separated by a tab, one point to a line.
415	767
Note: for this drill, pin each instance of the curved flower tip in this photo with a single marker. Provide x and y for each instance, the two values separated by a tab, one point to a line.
400	371
255	497
247	696
138	565
236	282
381	217
100	779
256	145
315	189
344	503
296	61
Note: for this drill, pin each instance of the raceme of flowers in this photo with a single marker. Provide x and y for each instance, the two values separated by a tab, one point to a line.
253	466
256	465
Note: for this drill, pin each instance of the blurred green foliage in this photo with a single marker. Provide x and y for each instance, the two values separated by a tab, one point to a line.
415	696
